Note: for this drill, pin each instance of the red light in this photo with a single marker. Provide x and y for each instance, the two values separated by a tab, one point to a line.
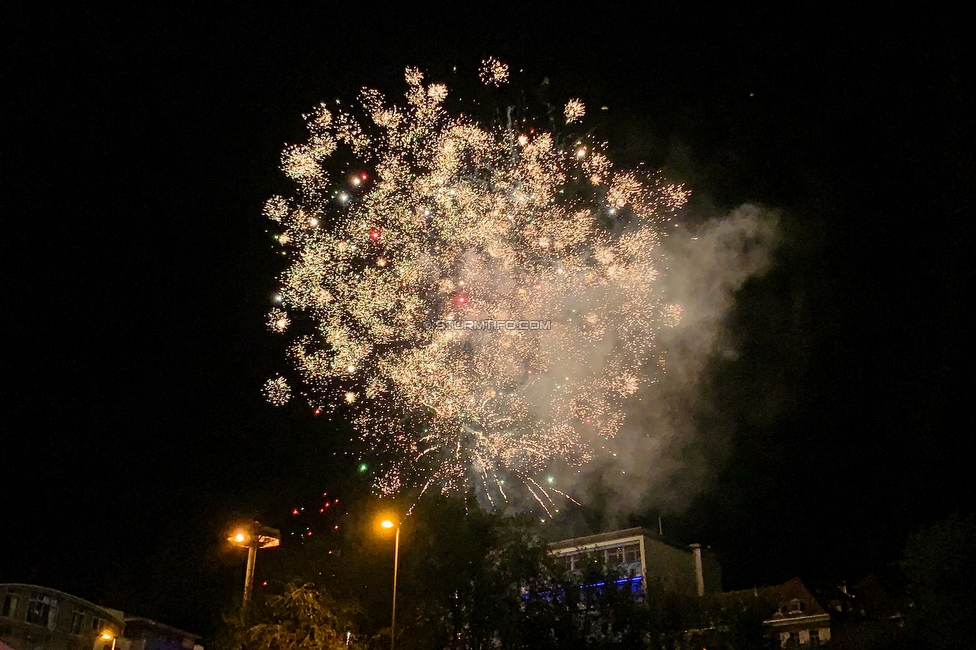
294	511
374	234
461	299
364	176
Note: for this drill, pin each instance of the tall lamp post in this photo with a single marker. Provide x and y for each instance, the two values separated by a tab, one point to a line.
388	524
253	536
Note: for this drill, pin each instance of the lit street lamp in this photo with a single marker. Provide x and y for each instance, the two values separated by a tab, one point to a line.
253	536
388	524
108	635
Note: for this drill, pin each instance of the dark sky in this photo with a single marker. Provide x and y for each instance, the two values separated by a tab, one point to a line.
140	143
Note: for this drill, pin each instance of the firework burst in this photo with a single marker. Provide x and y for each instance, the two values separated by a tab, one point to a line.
483	298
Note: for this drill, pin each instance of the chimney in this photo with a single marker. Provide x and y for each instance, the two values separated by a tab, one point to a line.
699	570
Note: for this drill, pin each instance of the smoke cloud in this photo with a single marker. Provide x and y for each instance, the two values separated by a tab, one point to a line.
674	441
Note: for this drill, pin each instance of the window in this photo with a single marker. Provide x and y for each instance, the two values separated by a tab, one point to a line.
9	605
98	624
77	618
42	610
615	556
796	606
632	553
815	636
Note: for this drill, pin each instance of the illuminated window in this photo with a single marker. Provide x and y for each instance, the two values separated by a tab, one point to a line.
42	610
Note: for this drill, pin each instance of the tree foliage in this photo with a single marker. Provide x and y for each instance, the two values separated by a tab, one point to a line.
300	617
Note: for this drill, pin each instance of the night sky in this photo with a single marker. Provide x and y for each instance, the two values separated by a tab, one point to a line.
138	148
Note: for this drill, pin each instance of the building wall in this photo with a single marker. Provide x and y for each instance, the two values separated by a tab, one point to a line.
147	634
712	571
671	567
39	618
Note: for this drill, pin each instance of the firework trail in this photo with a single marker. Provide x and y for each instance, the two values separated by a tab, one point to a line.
484	298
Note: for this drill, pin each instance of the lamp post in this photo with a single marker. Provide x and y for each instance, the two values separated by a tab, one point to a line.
388	524
253	536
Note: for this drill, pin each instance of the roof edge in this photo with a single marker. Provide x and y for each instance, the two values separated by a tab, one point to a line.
109	613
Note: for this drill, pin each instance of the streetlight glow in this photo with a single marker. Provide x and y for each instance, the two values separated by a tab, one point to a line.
388	523
108	635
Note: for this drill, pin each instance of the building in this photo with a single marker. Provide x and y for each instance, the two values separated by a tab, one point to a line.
799	619
645	557
866	600
40	618
796	618
866	614
146	634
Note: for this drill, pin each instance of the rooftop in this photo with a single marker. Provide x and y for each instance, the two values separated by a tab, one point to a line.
612	536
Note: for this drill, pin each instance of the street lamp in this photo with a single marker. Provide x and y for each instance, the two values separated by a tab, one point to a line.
253	536
108	635
389	523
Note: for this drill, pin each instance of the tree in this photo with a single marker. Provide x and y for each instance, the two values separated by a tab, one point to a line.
299	618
